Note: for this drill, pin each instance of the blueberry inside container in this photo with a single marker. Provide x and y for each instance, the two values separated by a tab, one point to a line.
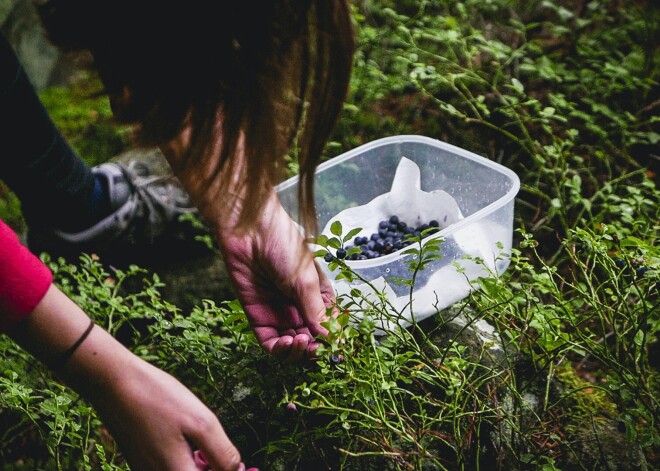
483	190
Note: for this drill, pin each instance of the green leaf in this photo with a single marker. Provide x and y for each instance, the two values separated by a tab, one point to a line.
336	228
352	233
632	241
517	85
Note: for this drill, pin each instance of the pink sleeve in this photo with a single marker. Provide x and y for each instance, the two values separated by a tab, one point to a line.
24	279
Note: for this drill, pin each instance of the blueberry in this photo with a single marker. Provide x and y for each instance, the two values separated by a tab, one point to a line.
394	234
341	253
334	359
328	257
641	270
357	240
620	263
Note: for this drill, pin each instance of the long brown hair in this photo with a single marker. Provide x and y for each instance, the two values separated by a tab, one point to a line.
275	71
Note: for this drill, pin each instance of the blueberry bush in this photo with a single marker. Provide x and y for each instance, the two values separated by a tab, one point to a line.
565	94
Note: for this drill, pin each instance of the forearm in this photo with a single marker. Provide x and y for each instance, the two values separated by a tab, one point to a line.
54	326
154	418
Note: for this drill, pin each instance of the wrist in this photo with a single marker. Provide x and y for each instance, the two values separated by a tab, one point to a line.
99	366
55	326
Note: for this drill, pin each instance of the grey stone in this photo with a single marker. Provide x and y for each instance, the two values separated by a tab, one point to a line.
44	64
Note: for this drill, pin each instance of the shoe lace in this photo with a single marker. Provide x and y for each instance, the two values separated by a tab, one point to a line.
159	199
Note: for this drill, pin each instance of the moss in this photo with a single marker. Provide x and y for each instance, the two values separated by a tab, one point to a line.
588	401
10	209
84	118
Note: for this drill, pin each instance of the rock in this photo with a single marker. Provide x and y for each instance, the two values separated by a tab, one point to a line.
42	61
603	446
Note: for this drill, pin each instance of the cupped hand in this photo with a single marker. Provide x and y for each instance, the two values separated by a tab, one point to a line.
283	291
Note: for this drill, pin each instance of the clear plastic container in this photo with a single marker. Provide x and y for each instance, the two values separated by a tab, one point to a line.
484	191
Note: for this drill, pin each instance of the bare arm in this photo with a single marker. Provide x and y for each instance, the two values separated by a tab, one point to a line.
155	419
283	291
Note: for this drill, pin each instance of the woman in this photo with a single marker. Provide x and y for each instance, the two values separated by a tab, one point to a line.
225	94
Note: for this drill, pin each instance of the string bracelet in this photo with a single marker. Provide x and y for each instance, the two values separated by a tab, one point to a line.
60	361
